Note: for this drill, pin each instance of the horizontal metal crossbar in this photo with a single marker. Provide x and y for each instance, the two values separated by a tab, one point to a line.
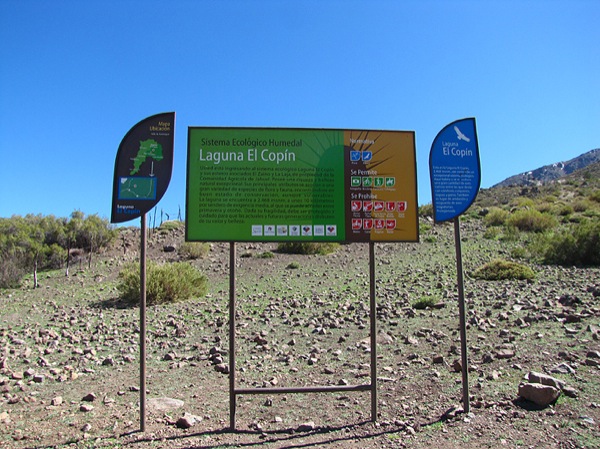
316	389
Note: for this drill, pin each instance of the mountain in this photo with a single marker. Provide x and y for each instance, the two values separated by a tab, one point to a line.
552	172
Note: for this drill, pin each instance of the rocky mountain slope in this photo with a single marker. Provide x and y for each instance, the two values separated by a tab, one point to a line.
553	171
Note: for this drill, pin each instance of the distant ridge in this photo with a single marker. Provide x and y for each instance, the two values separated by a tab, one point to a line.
552	172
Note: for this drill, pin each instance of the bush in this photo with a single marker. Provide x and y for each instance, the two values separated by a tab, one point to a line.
531	220
423	303
496	217
426	210
576	245
11	272
171	225
266	255
168	283
307	247
194	250
499	269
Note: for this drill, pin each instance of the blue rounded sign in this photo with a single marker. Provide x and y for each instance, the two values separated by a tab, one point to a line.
454	169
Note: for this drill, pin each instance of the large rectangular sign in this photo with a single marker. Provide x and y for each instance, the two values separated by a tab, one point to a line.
267	184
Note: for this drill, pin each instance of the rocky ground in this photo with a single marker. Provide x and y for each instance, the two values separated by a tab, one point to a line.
69	357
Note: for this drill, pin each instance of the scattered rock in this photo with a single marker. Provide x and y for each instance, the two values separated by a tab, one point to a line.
39	378
457	366
86	408
542	395
563	368
222	368
452	412
90	397
187	420
570	392
504	354
56	401
164	404
306	427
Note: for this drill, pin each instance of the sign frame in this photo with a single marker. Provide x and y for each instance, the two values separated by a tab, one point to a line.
312	164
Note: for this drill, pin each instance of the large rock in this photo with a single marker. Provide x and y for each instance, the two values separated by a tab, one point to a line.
164	404
542	395
544	379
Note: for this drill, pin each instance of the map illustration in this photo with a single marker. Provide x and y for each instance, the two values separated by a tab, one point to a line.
148	149
137	188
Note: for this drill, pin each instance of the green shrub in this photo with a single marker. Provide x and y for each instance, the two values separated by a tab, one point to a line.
496	217
423	228
194	250
423	303
500	269
293	266
11	272
575	245
531	220
565	209
168	283
266	255
518	252
581	205
308	247
595	196
170	225
523	203
545	207
492	233
426	210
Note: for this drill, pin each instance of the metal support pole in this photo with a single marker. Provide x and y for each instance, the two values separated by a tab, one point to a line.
143	324
232	393
463	321
373	319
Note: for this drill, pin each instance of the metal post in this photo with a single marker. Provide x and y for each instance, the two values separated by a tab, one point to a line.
463	322
373	319
143	324
232	393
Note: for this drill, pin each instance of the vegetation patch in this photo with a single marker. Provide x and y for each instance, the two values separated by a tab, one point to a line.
194	250
308	247
424	303
36	242
168	283
531	220
575	245
500	269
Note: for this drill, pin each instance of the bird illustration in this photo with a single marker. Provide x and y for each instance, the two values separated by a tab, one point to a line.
460	135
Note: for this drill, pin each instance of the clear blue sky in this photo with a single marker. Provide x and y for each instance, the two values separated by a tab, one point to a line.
76	75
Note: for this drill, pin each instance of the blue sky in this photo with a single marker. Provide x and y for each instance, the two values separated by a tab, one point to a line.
76	76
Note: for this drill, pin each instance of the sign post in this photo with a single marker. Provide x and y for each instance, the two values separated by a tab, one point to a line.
455	179
143	169
301	185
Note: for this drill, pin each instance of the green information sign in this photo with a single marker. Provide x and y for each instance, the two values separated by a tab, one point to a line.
265	184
